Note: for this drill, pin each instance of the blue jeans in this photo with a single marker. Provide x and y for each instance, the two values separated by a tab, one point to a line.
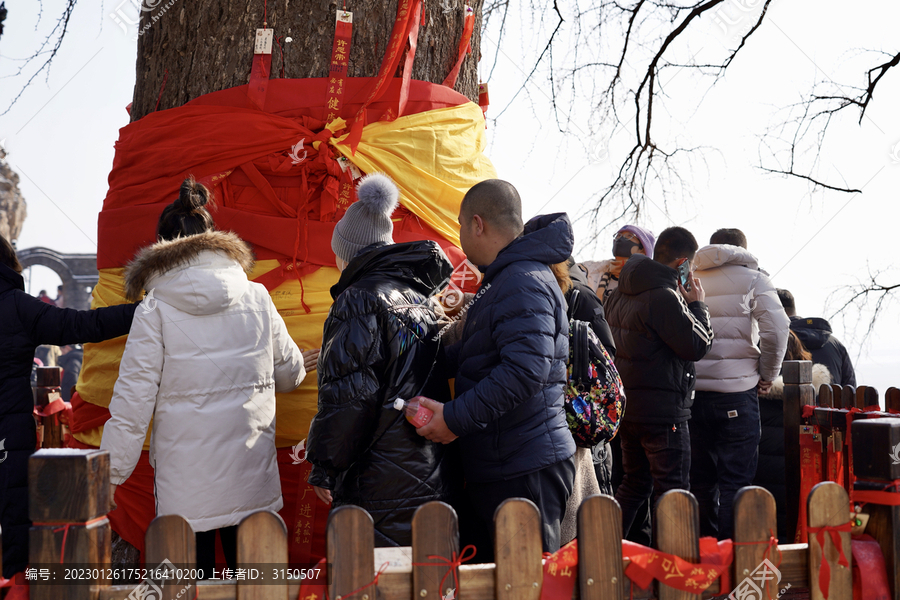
656	458
725	434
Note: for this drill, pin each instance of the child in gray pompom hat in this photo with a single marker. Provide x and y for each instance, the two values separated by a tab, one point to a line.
368	220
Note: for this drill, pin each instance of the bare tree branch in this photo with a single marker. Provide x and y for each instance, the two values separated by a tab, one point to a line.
53	40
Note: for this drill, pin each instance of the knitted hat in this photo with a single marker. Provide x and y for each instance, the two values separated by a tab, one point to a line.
368	220
648	240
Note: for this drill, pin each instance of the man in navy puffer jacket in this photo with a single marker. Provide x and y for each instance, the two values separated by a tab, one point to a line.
511	363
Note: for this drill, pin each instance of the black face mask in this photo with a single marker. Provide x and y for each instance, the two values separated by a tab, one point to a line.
623	247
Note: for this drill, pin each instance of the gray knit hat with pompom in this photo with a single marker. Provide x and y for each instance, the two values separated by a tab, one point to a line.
368	220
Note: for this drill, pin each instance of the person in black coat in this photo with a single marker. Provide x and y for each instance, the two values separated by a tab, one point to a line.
26	324
511	363
660	329
816	336
380	343
70	359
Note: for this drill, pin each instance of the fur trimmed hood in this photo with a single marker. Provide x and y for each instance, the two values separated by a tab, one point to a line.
163	257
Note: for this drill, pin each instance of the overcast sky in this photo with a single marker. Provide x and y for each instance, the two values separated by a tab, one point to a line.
60	137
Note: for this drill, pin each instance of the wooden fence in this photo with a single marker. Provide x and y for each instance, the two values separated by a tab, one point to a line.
70	490
69	493
817	438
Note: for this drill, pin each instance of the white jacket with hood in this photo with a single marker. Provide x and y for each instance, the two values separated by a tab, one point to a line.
750	323
206	353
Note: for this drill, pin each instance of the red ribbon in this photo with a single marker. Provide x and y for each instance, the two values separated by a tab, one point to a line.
772	542
313	591
648	564
452	563
65	529
558	585
402	26
337	73
259	79
883	496
464	48
824	568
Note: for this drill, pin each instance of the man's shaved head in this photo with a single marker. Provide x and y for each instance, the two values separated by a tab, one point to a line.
497	202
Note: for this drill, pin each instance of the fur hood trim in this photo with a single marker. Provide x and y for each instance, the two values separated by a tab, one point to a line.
165	256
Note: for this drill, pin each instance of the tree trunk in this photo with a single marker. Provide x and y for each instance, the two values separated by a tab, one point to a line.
207	45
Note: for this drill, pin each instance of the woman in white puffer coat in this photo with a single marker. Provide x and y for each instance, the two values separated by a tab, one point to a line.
205	355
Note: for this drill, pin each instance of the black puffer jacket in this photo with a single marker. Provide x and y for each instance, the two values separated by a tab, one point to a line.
658	337
26	323
511	362
826	349
380	343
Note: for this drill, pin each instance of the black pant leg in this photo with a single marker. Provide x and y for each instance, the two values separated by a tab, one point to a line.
206	552
228	535
549	488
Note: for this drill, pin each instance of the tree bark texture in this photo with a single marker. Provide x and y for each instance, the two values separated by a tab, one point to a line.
207	45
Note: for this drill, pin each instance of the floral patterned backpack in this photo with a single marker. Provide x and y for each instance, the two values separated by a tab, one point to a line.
594	396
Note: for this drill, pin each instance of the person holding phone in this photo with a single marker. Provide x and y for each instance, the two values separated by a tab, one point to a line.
660	328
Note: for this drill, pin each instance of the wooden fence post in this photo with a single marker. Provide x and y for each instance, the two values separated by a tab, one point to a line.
350	549
892	400
837	393
829	506
68	498
848	397
677	525
826	397
798	392
600	574
754	526
170	545
262	544
435	532
517	550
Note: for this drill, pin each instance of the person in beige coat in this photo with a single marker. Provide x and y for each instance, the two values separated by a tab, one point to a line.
205	355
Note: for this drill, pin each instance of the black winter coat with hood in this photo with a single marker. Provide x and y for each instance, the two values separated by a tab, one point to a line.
380	343
27	323
511	361
826	349
658	337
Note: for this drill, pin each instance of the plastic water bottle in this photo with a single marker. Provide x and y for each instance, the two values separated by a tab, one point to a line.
415	413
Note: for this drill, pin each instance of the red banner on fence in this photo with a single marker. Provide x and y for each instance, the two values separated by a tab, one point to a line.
810	474
648	564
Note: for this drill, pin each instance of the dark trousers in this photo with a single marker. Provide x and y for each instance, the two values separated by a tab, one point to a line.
725	434
656	458
549	488
206	549
640	531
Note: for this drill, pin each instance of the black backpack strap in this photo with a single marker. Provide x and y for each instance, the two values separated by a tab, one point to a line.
573	298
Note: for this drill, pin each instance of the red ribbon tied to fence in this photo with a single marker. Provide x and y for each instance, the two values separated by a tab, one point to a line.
824	568
64	527
453	563
772	542
648	564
